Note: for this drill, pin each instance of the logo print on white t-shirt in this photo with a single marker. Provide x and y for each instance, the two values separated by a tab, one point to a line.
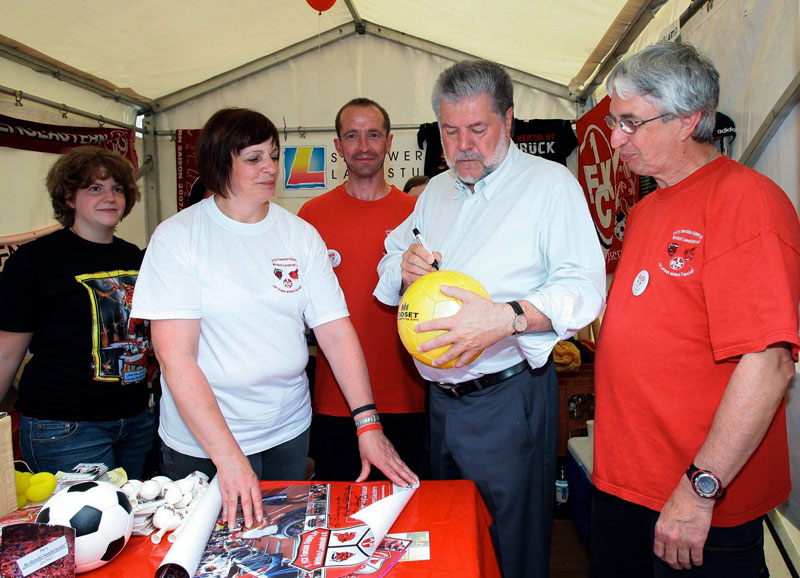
287	275
334	257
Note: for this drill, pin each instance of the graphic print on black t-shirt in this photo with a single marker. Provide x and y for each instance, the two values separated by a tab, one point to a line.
119	343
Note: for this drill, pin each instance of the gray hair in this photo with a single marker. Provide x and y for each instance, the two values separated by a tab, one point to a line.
471	78
675	78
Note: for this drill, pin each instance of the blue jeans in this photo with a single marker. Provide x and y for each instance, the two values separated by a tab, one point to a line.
622	545
286	461
53	445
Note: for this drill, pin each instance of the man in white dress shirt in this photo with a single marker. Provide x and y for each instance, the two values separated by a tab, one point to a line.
520	225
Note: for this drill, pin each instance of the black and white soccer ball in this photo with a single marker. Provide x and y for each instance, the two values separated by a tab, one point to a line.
100	513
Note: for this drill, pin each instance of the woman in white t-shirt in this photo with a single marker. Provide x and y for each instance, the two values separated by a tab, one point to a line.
229	285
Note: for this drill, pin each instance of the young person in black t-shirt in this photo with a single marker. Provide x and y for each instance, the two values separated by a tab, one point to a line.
67	297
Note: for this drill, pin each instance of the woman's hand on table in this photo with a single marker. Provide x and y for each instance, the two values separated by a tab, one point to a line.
239	483
377	450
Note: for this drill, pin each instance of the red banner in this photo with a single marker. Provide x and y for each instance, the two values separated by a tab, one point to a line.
610	187
52	138
185	164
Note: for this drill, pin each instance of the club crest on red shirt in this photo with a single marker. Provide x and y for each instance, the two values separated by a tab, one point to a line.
681	251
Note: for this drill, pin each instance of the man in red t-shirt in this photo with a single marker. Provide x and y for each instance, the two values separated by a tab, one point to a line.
697	345
354	220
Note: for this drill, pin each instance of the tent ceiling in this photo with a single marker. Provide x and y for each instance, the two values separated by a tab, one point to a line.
154	48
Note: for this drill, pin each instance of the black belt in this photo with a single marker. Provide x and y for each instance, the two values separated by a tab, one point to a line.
456	390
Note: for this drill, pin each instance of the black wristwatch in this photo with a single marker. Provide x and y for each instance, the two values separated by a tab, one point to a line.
706	484
520	323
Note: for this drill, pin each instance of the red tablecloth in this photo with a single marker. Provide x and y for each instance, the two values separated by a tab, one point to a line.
452	513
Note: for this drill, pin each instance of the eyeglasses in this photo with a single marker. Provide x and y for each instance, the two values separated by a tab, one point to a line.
629	126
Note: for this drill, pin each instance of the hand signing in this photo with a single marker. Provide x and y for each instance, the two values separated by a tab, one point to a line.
417	262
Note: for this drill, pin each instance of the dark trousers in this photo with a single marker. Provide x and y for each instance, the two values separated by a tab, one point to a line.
286	461
622	545
504	438
334	445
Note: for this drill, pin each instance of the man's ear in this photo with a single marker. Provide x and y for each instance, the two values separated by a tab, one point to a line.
508	118
688	124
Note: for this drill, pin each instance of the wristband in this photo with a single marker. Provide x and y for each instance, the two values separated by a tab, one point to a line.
368	427
374	418
358	410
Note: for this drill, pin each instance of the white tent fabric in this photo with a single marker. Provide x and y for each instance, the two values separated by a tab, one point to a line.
156	47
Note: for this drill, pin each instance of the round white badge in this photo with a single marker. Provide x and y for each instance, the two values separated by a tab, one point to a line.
640	282
334	257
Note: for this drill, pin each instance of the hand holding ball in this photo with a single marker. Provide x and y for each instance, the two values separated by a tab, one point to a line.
424	301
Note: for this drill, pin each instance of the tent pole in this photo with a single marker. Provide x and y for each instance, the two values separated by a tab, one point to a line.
523	78
787	101
14	52
265	62
64	108
302	130
152	189
359	22
625	42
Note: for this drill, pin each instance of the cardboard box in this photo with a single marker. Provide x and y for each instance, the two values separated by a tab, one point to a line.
8	491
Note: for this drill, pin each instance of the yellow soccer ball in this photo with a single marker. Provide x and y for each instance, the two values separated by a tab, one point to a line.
424	301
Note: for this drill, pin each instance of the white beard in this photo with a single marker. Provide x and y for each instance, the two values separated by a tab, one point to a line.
489	165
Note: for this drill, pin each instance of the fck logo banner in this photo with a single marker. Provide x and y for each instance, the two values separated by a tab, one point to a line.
611	189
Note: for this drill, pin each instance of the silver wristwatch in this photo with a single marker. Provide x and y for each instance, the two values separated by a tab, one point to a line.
374	418
520	323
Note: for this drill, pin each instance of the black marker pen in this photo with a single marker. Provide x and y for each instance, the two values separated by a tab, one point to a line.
422	242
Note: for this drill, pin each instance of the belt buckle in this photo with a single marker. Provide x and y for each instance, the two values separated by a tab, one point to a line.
449	389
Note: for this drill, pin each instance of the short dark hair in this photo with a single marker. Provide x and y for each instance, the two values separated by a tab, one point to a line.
387	125
224	135
415	182
79	167
472	78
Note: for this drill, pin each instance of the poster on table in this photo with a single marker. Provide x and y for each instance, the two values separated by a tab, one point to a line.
611	189
308	531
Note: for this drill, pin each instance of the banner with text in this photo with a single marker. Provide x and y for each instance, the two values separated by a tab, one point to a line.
610	187
186	165
52	138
